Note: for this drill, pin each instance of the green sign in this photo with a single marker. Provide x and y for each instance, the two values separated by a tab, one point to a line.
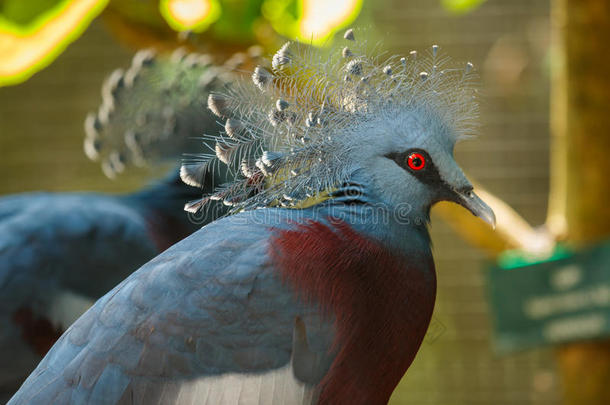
562	299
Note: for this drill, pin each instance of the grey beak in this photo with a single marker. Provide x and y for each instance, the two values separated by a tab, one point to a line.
473	203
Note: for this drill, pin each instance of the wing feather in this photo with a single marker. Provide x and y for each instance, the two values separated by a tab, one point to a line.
206	317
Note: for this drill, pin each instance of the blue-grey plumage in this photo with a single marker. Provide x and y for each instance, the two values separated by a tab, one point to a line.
209	321
59	252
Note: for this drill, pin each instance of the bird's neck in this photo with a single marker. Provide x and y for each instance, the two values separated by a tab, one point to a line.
403	227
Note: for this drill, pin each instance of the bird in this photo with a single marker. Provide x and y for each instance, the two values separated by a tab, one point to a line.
319	285
60	252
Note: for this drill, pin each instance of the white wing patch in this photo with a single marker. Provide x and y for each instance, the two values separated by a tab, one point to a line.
66	307
276	387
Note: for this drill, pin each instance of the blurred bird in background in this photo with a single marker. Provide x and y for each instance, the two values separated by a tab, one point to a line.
320	287
59	252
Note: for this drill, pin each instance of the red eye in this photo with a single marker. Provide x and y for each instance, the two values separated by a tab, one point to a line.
416	161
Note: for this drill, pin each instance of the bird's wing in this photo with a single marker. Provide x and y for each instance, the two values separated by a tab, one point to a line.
205	322
58	254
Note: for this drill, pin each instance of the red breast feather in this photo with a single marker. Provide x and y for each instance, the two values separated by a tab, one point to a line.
381	301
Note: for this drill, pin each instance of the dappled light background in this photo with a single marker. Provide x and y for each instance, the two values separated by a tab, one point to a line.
41	132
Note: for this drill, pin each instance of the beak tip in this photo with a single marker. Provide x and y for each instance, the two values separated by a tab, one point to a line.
487	215
478	207
490	218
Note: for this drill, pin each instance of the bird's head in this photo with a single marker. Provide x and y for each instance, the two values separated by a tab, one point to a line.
407	158
311	122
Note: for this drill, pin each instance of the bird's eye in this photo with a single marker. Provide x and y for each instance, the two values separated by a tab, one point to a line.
416	161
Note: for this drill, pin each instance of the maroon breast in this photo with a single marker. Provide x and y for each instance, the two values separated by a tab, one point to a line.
38	332
165	230
381	303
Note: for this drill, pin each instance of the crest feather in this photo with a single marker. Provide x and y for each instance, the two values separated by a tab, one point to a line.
288	130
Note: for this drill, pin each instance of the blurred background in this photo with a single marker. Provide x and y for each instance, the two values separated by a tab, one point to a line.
41	133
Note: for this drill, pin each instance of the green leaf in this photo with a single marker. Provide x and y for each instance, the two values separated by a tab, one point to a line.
24	12
461	6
